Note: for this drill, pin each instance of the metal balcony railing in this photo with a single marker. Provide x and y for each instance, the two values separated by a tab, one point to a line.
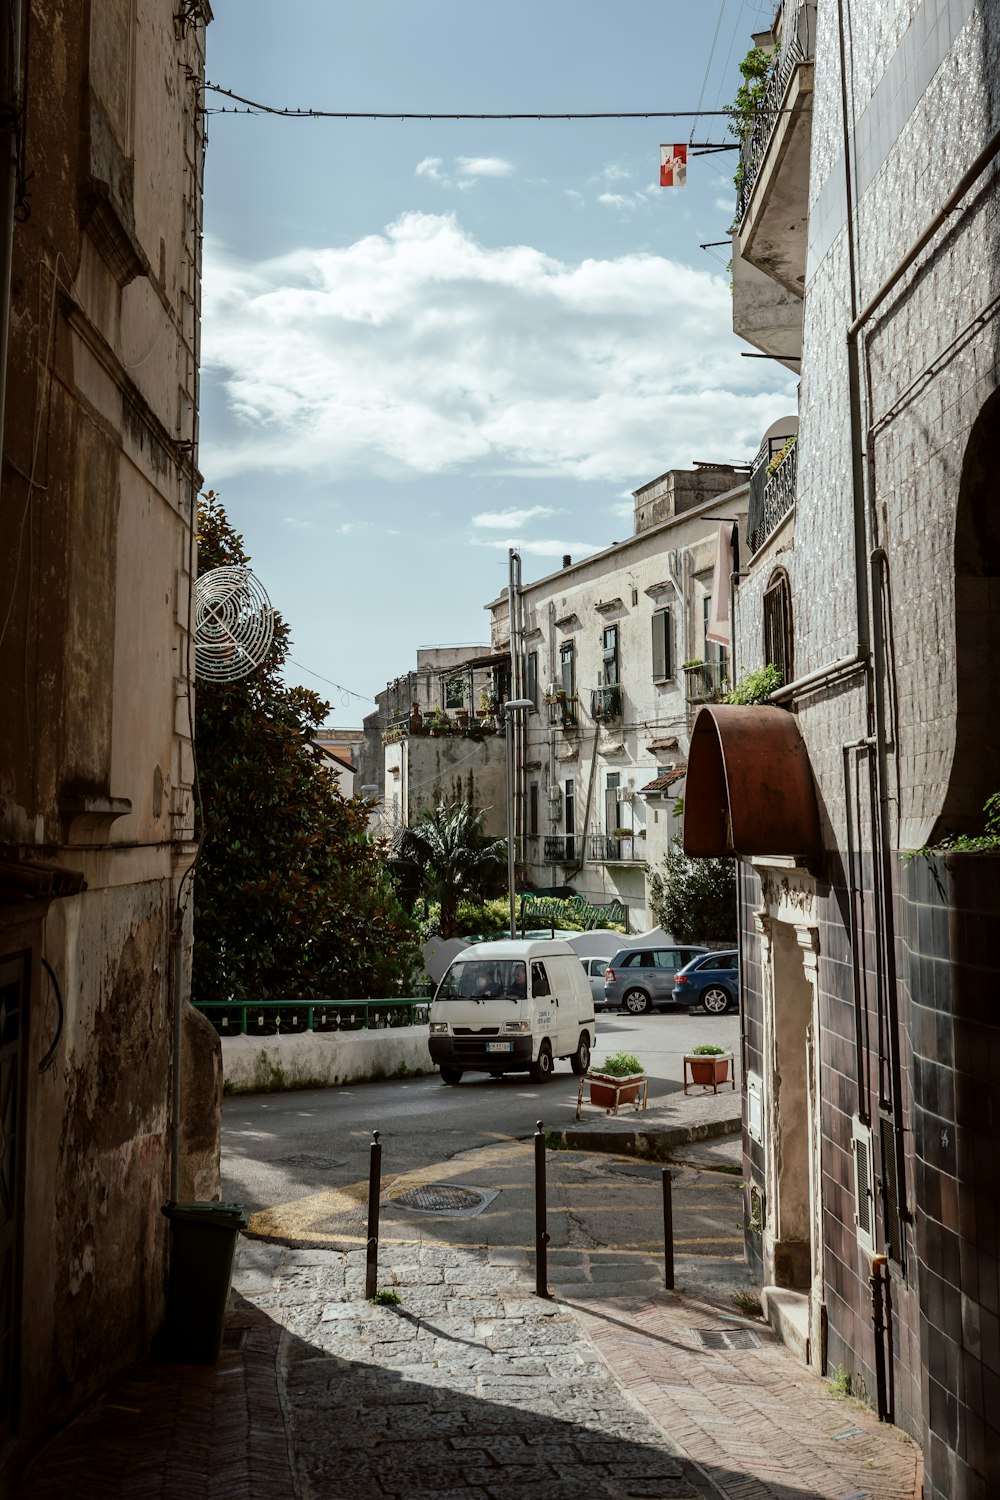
605	849
559	849
796	45
606	703
705	681
772	489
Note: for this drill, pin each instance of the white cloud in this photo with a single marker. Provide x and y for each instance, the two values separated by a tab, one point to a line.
420	350
542	548
726	203
628	202
297	524
431	167
483	166
500	520
467	170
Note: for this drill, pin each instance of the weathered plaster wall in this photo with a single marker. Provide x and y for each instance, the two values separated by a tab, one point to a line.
95	760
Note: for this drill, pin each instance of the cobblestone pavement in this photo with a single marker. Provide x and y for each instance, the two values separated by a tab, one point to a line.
471	1387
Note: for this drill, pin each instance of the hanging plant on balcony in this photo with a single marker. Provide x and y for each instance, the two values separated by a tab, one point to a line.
757	68
780	456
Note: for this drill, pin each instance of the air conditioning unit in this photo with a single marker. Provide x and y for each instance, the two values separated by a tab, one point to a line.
554	797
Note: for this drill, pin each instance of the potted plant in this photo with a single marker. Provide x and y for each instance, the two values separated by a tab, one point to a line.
616	1081
709	1064
622	833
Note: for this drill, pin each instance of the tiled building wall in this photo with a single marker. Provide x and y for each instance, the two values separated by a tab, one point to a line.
950	972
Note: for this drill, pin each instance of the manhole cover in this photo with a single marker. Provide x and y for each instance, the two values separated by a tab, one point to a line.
309	1161
726	1338
445	1198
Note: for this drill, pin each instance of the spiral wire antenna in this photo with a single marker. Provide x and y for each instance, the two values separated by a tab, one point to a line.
234	624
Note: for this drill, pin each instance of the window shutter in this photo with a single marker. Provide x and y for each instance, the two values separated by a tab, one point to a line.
864	1187
662	663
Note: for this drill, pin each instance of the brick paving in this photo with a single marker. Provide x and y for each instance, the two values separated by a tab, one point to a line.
472	1387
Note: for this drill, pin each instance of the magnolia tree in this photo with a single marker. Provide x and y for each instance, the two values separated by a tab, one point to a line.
293	899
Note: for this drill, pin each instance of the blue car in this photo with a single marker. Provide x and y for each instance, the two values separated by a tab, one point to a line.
711	980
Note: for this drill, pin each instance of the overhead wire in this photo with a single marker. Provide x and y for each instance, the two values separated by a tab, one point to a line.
255	106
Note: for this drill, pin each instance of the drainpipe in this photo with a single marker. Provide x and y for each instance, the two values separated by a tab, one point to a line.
879	1262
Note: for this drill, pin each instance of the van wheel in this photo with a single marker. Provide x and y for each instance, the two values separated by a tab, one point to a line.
580	1061
541	1069
451	1075
636	1002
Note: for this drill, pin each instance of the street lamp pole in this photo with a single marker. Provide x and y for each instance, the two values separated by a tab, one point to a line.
515	705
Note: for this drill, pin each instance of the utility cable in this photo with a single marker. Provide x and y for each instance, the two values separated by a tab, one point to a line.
254	106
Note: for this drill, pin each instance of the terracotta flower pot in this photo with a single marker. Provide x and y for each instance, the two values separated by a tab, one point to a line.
603	1086
709	1070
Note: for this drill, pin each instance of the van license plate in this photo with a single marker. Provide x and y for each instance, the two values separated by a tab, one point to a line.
499	1046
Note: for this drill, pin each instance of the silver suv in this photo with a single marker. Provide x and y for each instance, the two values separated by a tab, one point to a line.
638	979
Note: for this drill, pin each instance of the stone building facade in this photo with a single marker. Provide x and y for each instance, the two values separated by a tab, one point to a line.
615	659
871	1040
433	738
99	348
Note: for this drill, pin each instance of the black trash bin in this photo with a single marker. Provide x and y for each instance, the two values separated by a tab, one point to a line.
202	1245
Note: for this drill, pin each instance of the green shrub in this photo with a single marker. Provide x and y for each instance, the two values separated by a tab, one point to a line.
620	1065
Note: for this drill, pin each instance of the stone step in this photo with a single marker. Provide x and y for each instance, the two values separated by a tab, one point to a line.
787	1311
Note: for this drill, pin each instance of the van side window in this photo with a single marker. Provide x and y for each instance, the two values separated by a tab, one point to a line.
539	980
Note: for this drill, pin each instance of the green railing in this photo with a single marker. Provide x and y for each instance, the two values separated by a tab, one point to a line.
293	1017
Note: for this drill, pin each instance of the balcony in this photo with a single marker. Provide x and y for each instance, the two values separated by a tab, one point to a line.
772	208
606	703
705	682
559	849
772	488
605	849
561	708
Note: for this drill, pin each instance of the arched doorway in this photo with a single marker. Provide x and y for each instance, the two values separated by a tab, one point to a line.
977	626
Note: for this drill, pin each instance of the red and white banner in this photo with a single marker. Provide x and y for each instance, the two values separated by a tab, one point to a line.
673	166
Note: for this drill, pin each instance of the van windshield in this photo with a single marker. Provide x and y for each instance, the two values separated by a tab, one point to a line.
484	979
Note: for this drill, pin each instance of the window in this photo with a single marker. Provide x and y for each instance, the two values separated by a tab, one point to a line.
539	980
569	816
663	645
778	626
454	693
531	677
533	810
609	656
567	669
612	807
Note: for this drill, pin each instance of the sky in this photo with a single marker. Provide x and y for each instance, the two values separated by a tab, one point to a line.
426	342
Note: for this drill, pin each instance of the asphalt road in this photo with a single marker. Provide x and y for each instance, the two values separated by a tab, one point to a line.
278	1148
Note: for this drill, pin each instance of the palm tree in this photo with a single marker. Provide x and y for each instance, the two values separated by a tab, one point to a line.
447	856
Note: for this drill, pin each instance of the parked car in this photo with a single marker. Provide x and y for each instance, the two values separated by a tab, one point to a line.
712	981
595	968
641	979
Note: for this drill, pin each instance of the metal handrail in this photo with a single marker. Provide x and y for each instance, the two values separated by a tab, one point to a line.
408	1011
606	849
797	43
773	503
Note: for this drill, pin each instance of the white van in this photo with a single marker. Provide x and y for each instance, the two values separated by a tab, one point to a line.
512	1007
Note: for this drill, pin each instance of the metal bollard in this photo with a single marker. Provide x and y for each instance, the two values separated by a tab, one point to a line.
668	1229
541	1233
374	1193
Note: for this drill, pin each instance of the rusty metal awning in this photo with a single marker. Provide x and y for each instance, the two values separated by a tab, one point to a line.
750	788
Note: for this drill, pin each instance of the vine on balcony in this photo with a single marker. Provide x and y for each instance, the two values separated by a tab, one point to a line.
756	69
